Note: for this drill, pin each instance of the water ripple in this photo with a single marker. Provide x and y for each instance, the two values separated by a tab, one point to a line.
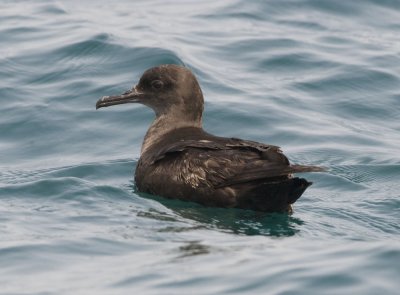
319	78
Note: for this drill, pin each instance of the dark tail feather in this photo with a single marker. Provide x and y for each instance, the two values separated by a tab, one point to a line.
274	196
299	185
304	168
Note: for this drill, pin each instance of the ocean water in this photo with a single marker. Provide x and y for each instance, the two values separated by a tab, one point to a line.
319	78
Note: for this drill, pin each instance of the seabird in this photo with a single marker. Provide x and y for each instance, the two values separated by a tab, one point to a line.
180	160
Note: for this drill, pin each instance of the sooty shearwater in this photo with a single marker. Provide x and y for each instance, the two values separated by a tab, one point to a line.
180	160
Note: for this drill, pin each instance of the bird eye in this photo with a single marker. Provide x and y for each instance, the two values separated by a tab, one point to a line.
157	84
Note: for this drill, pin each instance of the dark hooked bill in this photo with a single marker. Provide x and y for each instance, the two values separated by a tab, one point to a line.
130	96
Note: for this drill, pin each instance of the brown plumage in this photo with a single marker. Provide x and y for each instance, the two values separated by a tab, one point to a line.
180	160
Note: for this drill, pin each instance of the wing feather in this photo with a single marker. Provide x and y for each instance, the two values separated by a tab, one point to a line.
225	163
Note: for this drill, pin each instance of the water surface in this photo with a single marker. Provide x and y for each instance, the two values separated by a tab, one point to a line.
318	78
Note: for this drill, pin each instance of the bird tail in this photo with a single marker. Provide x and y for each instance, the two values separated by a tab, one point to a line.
304	168
275	196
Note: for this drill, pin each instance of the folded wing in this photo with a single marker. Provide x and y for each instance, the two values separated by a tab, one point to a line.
230	162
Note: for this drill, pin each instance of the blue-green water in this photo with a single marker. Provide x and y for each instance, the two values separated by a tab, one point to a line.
321	79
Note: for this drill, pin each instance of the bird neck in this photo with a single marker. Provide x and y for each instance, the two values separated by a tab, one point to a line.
165	123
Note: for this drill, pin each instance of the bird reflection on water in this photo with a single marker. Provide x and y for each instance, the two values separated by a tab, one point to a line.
236	221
